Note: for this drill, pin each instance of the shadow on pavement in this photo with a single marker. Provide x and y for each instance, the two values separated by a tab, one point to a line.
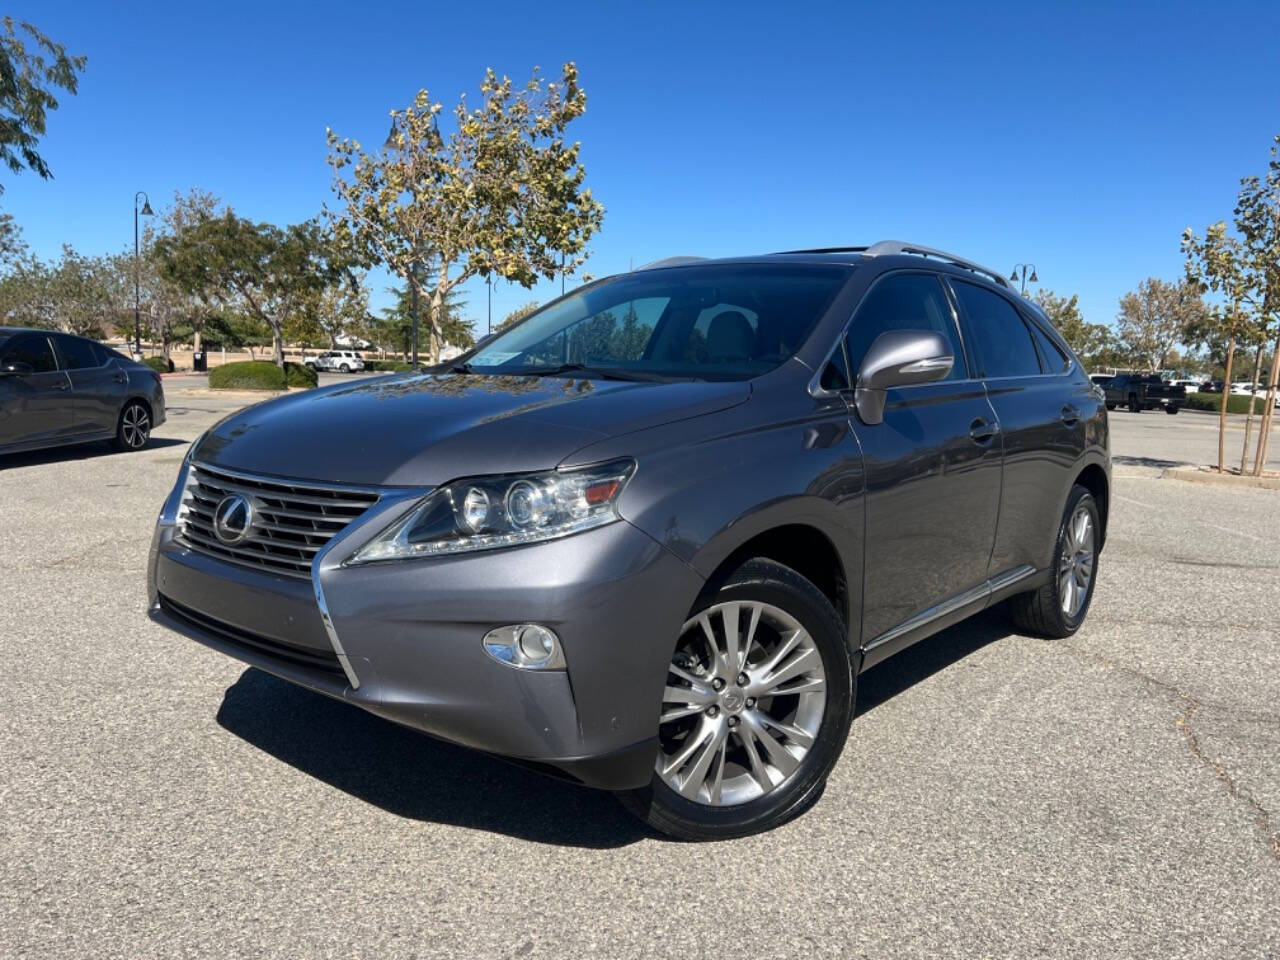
921	661
1122	461
411	775
79	451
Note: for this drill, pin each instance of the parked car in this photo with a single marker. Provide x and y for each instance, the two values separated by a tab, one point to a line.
58	389
343	361
653	556
1144	391
1101	379
1189	386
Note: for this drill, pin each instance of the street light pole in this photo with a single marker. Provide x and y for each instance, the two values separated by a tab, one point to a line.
1024	267
137	312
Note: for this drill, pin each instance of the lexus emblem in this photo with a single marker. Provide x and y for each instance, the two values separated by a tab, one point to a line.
233	519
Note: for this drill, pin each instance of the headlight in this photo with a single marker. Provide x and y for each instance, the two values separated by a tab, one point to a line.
488	512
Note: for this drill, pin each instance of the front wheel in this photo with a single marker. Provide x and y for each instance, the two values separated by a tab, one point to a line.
758	701
1059	607
133	429
1171	410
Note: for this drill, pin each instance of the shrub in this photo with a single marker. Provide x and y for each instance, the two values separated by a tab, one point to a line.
260	375
386	366
1235	402
158	364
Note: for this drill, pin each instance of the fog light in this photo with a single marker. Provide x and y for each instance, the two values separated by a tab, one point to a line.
529	646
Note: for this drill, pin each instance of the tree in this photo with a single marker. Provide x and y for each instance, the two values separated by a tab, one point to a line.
501	195
1155	318
516	315
397	320
1257	219
171	305
31	67
1094	343
338	310
82	291
12	246
1216	263
256	268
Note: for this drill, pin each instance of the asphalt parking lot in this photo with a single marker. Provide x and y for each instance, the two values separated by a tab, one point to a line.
1113	795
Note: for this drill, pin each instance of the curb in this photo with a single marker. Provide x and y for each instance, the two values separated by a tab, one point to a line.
1196	475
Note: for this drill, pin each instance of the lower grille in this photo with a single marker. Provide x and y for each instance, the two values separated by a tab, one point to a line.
325	660
291	522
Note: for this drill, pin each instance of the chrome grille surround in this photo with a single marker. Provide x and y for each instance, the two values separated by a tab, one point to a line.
293	519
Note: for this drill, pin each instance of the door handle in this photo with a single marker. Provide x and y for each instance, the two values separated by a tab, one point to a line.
1070	415
61	386
980	431
121	378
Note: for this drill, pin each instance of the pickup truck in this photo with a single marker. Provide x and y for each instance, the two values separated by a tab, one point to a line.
1144	391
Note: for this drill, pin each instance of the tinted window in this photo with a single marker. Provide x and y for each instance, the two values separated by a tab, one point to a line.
904	301
1054	360
77	354
1003	341
34	351
718	321
105	354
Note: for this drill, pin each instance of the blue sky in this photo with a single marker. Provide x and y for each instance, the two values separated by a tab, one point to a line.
1082	137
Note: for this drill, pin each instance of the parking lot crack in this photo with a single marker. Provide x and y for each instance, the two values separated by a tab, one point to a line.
1260	813
1235	790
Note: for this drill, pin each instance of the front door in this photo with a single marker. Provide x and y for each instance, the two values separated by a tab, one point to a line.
35	407
933	473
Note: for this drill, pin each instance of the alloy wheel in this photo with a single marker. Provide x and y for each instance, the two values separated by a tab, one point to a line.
135	426
1075	568
746	693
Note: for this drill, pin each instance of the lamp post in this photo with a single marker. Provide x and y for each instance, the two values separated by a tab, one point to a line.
137	311
1024	267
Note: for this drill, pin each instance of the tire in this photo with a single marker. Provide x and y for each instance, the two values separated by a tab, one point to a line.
1135	405
775	600
345	368
1171	410
1111	406
1043	611
133	429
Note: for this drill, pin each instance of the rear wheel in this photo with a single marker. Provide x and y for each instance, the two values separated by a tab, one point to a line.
1059	607
757	706
345	368
1111	406
1171	409
133	430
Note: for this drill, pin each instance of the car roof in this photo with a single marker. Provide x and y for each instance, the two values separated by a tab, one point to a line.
889	253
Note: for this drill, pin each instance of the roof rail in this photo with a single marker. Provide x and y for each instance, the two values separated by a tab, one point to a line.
889	248
670	262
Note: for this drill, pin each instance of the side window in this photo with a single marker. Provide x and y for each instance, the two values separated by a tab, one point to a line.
1051	356
904	301
105	354
32	350
1003	342
77	354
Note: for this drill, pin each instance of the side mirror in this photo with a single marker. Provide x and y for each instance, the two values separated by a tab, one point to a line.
899	358
16	368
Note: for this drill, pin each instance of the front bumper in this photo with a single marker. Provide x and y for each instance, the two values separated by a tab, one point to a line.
411	635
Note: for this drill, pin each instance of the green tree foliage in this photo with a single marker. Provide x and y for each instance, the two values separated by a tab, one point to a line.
394	329
32	67
1155	318
1094	343
516	315
255	268
1257	218
500	195
335	311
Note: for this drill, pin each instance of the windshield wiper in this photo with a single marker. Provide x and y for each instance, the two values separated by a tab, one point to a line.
604	373
460	368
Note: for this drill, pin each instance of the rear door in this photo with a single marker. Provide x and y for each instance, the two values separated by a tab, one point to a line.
1041	405
98	387
34	407
932	467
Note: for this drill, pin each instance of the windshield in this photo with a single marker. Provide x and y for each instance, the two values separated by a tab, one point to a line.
722	322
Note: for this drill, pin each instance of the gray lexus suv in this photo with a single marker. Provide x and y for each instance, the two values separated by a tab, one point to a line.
647	538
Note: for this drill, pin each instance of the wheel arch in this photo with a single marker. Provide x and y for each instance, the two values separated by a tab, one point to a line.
1094	479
